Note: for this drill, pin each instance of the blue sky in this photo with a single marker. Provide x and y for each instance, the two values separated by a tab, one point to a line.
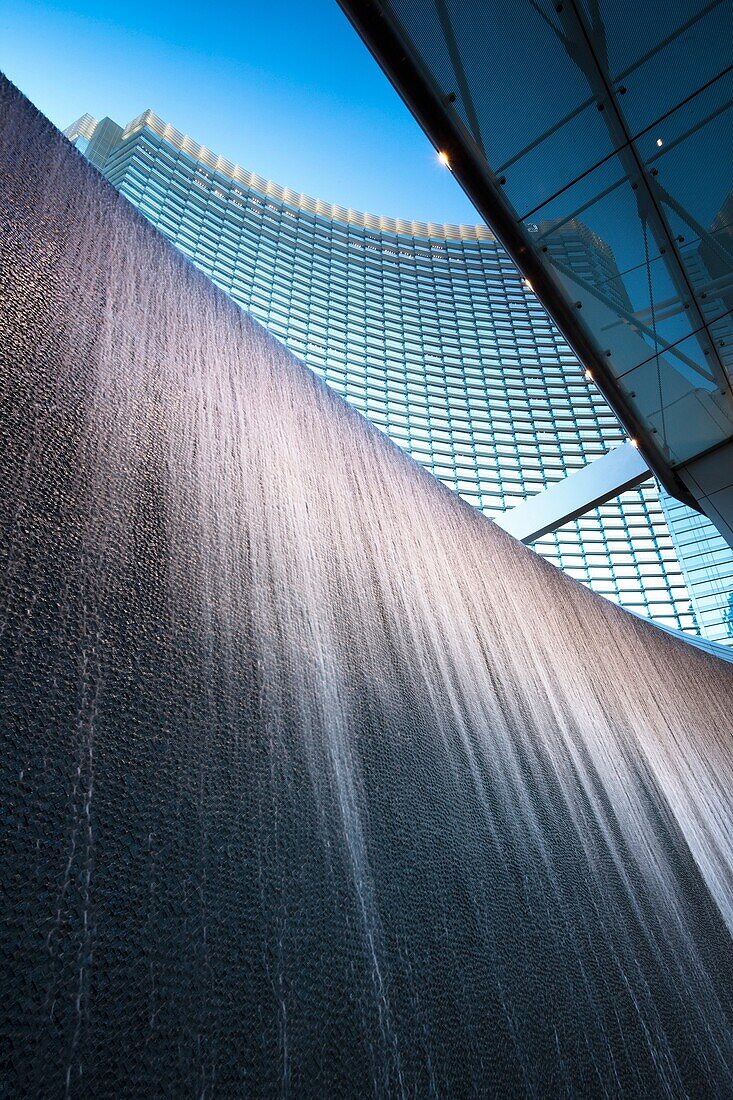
285	89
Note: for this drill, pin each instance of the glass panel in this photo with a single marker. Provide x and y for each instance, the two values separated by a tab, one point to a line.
697	54
687	417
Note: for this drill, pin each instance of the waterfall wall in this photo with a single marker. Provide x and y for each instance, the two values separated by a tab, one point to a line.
314	782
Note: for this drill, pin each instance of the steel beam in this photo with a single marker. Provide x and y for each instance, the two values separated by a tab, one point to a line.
607	477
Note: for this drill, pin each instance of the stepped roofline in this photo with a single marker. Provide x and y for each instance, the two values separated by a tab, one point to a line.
83	127
297	200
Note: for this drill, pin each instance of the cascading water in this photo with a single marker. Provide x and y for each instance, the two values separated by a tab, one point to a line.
315	783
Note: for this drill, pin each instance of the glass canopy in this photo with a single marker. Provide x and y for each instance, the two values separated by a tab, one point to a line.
595	138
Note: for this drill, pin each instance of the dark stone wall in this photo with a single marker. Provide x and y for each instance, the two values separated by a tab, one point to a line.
314	783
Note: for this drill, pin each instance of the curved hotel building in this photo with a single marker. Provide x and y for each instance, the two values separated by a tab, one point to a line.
430	332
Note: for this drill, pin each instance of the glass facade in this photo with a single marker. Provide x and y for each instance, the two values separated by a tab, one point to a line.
428	330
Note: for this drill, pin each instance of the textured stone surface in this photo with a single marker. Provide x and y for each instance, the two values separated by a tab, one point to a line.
314	783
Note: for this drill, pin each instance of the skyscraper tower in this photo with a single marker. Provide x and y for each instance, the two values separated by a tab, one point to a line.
426	329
